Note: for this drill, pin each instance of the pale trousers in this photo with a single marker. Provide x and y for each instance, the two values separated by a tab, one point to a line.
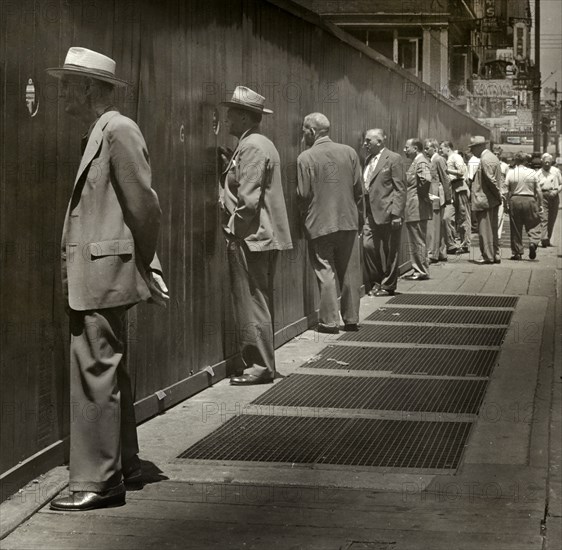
443	238
462	217
417	247
103	434
550	206
251	276
336	262
487	223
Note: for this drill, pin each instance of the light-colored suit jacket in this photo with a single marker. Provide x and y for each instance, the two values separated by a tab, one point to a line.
253	195
112	220
418	203
387	188
486	187
329	188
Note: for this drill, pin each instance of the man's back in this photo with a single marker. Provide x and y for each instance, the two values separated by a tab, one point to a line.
329	185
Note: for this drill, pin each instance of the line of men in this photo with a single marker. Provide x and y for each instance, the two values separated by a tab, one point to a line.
109	261
340	201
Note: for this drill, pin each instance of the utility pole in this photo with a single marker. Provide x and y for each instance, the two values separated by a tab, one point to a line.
537	81
558	115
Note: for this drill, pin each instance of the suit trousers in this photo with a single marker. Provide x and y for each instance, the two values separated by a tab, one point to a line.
103	434
335	259
523	211
487	223
462	217
443	237
251	276
550	205
381	245
417	247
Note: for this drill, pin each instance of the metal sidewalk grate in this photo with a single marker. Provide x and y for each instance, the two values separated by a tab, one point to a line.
391	394
462	300
413	334
344	441
432	362
435	315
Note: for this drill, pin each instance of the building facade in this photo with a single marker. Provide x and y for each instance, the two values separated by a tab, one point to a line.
474	52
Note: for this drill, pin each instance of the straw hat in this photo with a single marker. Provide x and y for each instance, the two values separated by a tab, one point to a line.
477	140
84	62
244	98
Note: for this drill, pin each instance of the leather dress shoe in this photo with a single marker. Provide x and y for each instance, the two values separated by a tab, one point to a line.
250	380
327	329
133	480
532	251
463	250
515	257
382	292
351	327
497	261
79	501
417	277
545	243
484	262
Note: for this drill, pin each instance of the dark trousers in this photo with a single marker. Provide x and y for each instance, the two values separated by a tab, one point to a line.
335	259
251	276
523	212
381	245
487	223
103	434
417	246
550	205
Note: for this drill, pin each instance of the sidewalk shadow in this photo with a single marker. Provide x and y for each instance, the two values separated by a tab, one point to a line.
151	473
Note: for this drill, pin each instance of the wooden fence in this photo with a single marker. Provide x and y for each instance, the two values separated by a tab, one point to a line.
182	58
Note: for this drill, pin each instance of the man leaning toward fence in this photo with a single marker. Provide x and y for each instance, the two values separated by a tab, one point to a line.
109	263
329	190
256	227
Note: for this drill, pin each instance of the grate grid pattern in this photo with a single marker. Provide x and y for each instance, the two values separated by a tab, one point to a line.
391	394
432	362
434	315
352	442
422	334
459	300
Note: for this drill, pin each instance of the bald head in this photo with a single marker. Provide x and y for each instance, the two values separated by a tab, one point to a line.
315	126
375	140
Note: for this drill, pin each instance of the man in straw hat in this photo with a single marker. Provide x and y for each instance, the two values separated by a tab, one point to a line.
256	228
108	265
485	199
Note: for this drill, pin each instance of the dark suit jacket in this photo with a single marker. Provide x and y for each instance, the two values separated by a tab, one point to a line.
485	192
253	195
387	188
418	203
439	175
329	187
112	221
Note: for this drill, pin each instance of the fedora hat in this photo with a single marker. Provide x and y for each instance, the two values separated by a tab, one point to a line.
477	140
244	98
84	62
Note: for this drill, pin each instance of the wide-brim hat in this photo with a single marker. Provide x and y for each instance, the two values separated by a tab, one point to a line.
84	62
477	140
244	98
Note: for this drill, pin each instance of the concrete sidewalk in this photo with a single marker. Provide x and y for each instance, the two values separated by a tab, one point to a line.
505	494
